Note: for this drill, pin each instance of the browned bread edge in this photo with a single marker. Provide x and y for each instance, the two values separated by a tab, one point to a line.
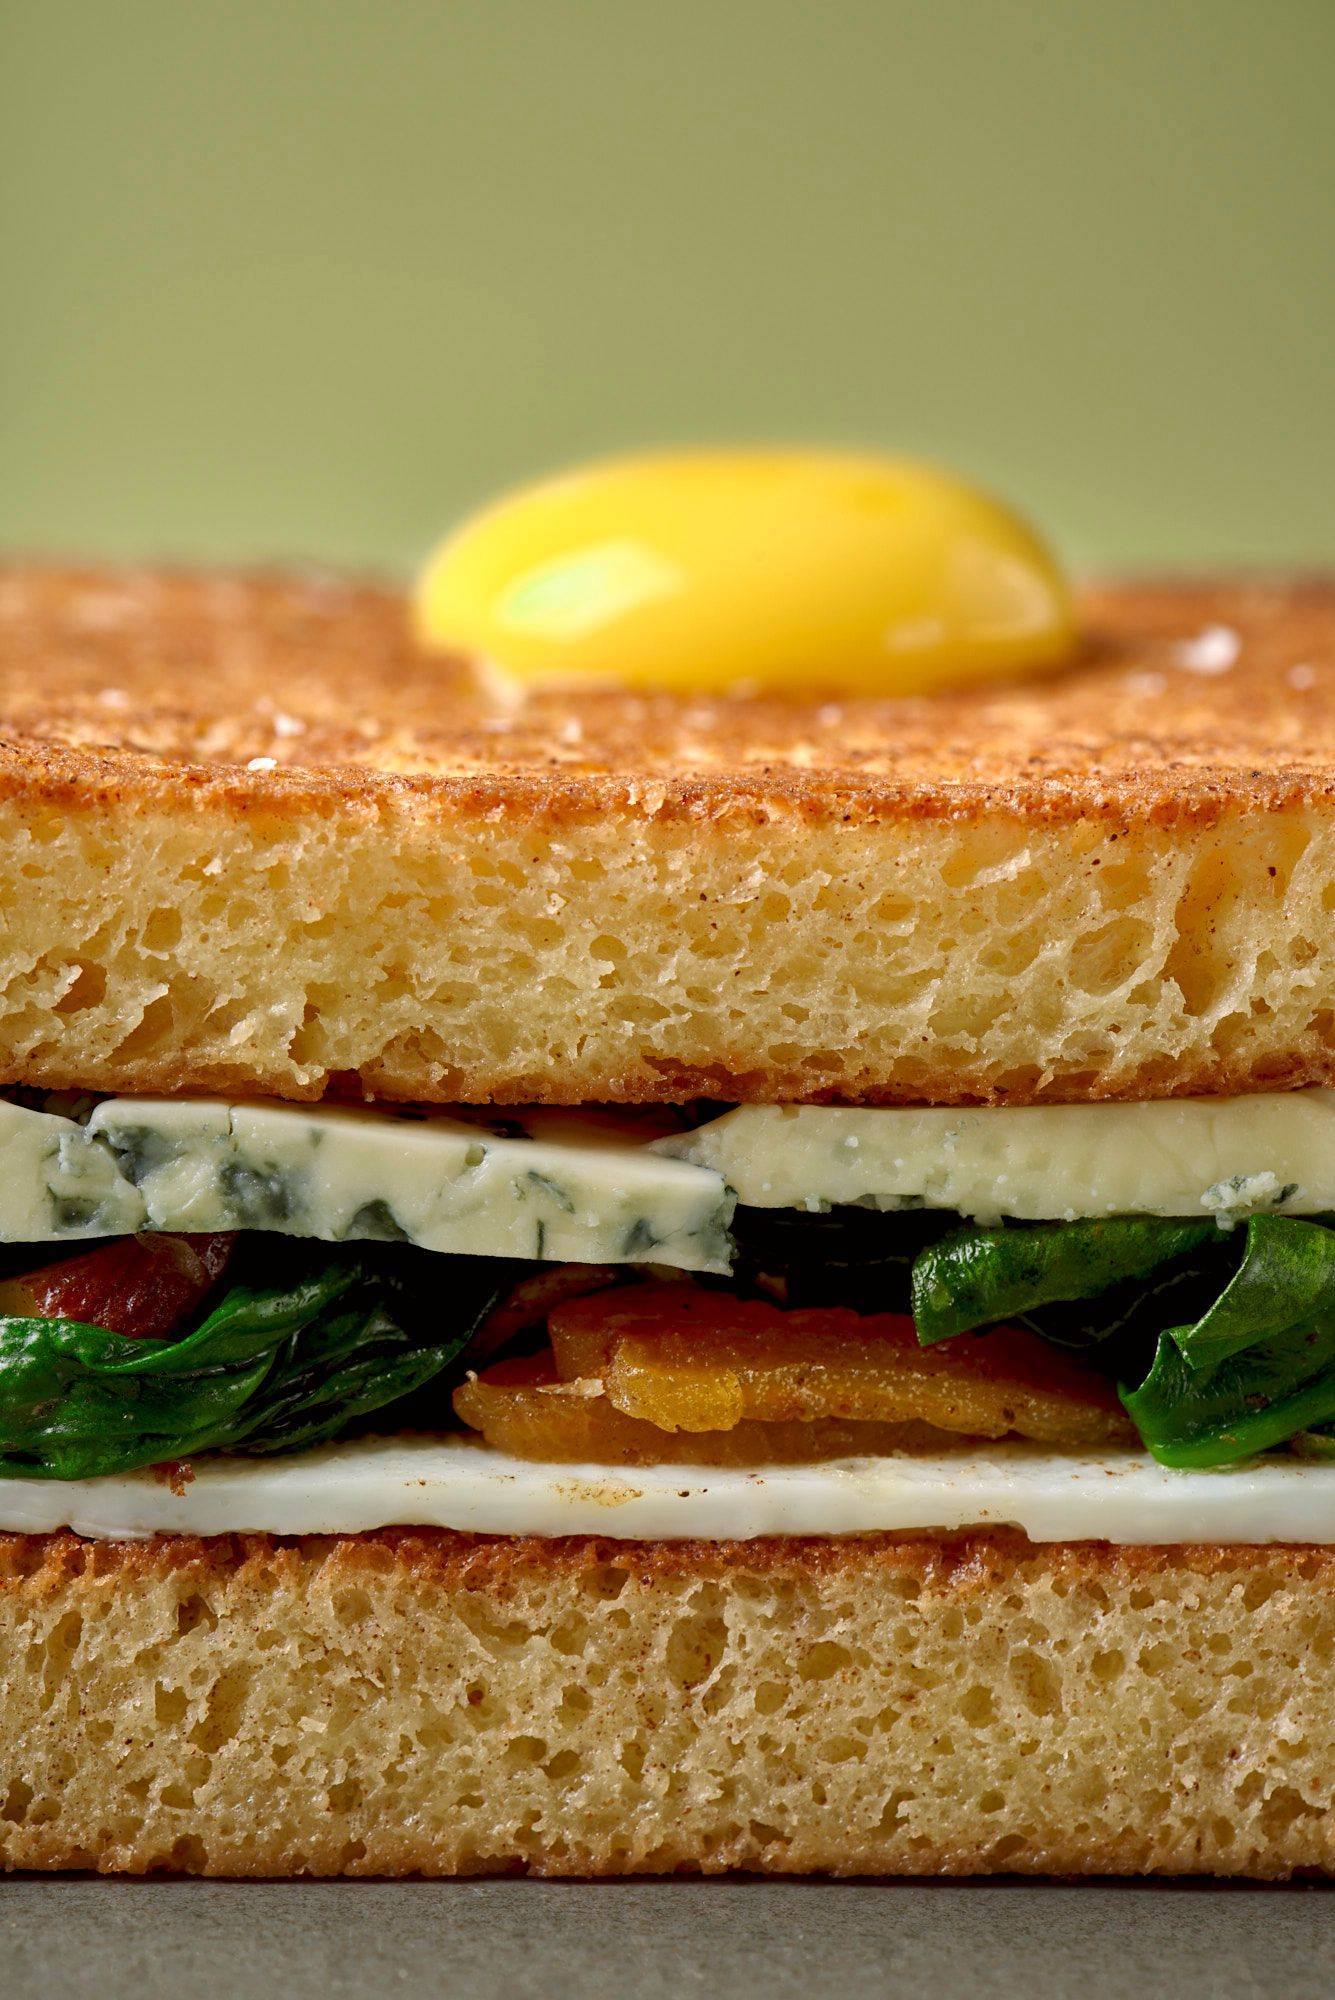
252	840
431	1703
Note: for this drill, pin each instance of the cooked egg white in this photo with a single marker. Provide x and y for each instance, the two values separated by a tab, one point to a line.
376	1483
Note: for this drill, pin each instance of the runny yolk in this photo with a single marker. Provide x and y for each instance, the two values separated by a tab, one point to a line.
777	571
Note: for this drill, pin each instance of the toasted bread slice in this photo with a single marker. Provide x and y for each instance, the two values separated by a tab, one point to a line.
251	839
437	1704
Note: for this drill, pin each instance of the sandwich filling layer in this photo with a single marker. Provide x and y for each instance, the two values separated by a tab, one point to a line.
743	1291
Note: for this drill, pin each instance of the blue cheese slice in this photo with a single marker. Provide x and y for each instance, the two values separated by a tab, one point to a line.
564	1190
1224	1156
57	1183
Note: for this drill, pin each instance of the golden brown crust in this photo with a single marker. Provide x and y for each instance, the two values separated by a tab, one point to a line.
444	1559
144	685
419	1702
251	841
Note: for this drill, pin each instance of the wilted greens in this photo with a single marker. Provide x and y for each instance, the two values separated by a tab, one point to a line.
271	1368
1223	1341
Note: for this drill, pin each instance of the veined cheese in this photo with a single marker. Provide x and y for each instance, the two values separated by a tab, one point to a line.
1182	1156
56	1183
563	1190
351	1488
584	1187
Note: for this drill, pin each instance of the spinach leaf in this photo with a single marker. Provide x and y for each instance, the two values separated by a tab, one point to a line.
1244	1406
1253	1366
1286	1278
269	1369
975	1277
1258	1367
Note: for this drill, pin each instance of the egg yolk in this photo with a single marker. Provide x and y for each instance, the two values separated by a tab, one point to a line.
785	572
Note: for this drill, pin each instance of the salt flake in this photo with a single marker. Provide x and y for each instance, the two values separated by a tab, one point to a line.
1212	651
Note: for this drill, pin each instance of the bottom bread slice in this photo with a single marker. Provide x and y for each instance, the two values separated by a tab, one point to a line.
430	1703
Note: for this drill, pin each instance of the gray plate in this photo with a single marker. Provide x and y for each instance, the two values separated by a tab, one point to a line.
126	1940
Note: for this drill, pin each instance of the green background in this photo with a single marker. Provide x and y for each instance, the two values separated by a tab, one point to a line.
296	277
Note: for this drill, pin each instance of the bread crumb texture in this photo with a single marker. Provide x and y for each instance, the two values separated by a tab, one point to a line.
250	840
412	1703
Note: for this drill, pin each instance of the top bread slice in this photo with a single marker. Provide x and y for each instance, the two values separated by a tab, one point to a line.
251	840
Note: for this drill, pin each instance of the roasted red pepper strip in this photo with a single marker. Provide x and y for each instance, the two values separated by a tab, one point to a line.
143	1286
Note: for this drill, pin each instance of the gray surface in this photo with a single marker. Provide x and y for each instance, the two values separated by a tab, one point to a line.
64	1940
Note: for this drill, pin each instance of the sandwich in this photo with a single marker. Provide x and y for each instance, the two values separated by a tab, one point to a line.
631	1283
